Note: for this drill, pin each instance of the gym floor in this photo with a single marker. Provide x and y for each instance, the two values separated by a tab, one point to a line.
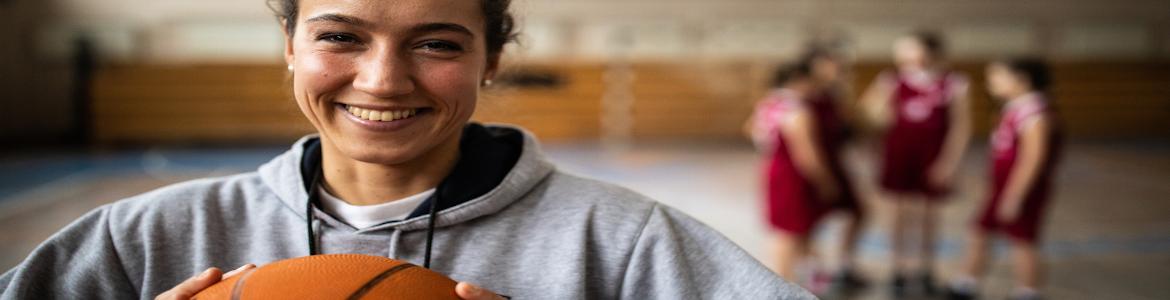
1107	235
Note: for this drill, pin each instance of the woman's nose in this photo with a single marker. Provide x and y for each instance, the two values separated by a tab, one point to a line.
385	74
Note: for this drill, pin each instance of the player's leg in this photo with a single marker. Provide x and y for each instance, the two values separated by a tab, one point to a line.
900	242
1026	265
966	284
790	249
850	238
928	224
847	276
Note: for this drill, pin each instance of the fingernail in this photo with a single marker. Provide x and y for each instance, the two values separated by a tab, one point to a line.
206	273
474	289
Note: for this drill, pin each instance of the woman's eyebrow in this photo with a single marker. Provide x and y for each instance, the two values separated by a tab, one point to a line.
331	17
452	27
425	27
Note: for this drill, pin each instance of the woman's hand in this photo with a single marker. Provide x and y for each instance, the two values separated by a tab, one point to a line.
469	291
188	288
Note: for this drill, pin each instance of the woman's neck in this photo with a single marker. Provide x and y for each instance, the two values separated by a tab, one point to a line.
363	183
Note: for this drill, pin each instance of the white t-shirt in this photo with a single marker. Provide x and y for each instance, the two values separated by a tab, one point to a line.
366	216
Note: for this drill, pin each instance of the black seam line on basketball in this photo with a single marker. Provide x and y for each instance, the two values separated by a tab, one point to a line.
238	288
377	279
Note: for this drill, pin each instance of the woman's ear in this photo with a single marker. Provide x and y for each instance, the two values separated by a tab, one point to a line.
288	44
493	65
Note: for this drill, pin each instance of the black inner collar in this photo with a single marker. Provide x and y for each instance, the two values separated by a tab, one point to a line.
486	155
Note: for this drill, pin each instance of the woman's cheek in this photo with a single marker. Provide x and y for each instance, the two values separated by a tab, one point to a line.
455	83
324	73
316	82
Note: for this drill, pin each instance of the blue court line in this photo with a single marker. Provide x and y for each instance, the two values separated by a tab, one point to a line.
19	175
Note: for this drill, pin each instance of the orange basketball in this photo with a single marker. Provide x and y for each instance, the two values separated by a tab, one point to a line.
334	276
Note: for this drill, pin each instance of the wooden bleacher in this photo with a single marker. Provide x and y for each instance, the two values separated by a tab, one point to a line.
708	101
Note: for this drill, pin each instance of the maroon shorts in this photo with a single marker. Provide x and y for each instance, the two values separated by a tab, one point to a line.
1026	227
792	204
905	165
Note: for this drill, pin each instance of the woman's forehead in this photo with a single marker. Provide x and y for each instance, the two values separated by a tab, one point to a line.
394	14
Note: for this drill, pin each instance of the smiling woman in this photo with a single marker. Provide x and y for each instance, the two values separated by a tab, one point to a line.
397	170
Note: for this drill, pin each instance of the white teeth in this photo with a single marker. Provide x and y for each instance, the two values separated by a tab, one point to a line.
381	115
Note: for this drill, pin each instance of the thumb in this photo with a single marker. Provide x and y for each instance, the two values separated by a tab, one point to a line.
188	288
468	291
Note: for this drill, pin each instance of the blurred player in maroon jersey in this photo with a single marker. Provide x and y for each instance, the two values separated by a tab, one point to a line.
1024	150
923	108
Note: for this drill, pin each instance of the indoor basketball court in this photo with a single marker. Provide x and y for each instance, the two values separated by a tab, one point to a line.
108	99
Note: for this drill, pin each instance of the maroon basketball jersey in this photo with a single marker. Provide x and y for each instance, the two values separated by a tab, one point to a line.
922	112
789	202
832	132
1005	144
1005	151
830	126
915	139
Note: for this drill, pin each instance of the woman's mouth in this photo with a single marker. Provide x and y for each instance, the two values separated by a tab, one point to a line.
382	115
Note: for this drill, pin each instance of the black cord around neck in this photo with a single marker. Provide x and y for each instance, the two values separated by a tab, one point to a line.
309	216
431	229
314	195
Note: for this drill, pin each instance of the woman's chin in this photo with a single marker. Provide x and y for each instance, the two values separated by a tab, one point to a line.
383	156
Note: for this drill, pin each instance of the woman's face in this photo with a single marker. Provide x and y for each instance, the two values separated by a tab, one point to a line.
909	51
1004	84
387	81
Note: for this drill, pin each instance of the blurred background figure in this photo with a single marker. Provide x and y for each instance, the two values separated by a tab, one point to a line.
799	131
798	186
102	99
1025	148
923	108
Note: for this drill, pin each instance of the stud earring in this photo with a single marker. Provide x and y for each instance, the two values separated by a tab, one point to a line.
487	82
290	68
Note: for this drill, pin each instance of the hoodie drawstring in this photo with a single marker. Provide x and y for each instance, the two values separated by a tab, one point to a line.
310	217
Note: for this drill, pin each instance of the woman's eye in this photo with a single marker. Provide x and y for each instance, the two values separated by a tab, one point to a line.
337	38
440	46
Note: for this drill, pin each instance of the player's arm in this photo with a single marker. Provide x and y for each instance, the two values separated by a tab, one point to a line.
875	100
801	131
1033	146
749	128
957	138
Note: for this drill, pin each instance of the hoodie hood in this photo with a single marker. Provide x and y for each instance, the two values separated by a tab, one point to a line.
498	164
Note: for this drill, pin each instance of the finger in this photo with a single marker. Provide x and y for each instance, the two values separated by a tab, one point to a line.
468	291
193	285
237	271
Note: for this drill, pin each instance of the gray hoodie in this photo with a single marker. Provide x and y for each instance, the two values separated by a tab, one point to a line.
533	233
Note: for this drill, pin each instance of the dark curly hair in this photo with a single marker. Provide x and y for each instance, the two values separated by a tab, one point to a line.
1033	69
934	43
499	27
788	73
